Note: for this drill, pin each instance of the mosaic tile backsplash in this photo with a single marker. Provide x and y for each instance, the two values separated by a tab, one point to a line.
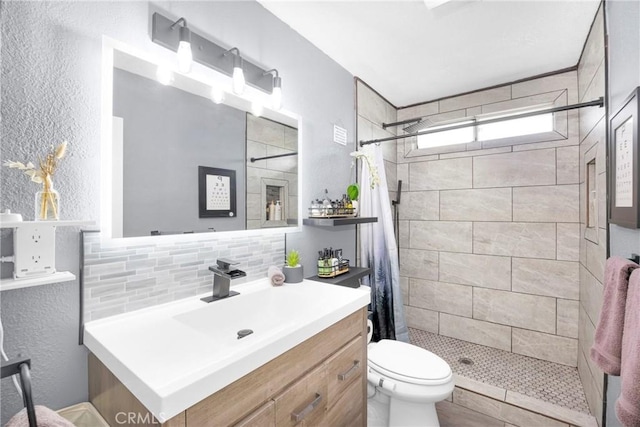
122	276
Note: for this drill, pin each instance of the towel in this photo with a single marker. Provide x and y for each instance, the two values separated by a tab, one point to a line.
607	346
276	276
628	404
44	416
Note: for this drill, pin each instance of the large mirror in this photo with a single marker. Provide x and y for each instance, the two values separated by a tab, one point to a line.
182	164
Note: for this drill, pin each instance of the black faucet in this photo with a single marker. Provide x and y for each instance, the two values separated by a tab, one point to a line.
222	277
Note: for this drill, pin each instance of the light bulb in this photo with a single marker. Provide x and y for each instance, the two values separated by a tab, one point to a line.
238	81
217	95
185	57
164	75
256	108
276	98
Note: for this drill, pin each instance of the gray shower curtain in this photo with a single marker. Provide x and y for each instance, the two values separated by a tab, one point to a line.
378	250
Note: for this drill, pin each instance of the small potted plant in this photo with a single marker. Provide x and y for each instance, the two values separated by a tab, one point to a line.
353	191
293	269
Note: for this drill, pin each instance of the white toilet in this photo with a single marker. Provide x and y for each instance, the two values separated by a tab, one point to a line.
405	382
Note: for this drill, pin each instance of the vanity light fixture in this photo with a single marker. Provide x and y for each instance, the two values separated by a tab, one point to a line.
185	57
276	93
164	75
217	57
238	72
217	95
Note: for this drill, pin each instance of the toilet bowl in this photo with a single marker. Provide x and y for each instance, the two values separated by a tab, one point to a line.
405	382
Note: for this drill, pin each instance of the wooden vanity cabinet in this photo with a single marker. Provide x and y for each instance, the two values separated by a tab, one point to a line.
320	382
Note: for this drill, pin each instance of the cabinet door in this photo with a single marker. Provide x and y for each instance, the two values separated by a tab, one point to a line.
305	402
345	367
265	416
350	410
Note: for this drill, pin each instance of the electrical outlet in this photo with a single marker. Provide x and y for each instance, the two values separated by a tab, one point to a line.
34	248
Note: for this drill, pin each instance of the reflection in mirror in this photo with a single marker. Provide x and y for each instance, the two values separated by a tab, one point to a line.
163	135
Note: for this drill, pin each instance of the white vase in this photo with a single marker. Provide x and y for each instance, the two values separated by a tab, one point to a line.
354	203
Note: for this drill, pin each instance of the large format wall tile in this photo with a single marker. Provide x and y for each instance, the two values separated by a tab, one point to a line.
586	335
422	205
596	256
490	204
421	110
568	165
477	270
568	242
546	347
427	320
546	204
440	174
372	107
589	385
513	309
555	82
476	331
568	311
473	99
537	167
438	296
441	236
591	295
419	263
534	240
545	277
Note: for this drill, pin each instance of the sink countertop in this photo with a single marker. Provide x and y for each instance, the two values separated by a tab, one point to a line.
173	355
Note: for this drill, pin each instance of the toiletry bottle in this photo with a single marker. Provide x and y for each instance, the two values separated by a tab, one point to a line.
272	211
278	211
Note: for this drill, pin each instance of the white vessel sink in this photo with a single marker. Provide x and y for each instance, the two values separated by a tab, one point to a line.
173	355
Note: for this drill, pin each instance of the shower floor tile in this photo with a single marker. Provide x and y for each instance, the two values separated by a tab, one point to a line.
547	381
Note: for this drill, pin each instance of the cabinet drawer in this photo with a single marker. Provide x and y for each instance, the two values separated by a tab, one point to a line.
350	410
265	416
345	367
305	402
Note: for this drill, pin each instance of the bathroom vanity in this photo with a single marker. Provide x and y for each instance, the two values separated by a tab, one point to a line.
183	364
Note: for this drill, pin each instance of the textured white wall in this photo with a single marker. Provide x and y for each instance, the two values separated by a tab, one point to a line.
50	91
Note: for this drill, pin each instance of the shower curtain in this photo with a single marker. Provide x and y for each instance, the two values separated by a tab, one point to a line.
378	249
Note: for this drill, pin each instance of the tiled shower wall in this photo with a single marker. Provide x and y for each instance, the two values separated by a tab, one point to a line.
126	275
268	138
489	235
593	233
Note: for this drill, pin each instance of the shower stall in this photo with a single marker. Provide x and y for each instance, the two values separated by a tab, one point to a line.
495	246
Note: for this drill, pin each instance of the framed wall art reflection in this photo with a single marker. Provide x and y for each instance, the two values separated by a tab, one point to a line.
624	154
217	192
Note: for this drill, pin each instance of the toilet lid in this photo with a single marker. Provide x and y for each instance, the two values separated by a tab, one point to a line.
408	362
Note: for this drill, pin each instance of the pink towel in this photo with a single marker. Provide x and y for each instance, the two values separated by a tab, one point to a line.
276	276
607	346
628	404
44	416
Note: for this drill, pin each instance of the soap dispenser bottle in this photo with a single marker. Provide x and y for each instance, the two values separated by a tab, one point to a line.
278	211
272	211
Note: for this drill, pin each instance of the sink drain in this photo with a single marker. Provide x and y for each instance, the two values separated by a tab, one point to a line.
465	361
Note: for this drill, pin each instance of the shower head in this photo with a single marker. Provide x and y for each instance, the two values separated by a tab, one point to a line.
421	125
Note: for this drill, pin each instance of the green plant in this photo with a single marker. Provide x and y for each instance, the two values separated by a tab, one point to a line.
353	191
293	258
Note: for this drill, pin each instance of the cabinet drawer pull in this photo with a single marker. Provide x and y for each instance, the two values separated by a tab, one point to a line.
354	368
299	416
